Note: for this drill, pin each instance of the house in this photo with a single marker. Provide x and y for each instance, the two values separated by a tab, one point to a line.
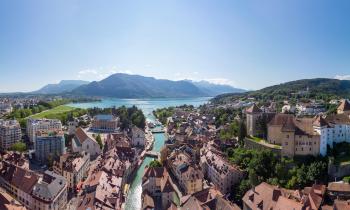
270	197
84	142
137	137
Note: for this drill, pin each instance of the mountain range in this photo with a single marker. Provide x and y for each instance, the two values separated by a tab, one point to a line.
135	86
61	87
317	88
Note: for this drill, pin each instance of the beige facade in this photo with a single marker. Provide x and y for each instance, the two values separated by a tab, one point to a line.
295	135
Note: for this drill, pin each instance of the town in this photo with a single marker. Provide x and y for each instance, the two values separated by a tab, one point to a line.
233	155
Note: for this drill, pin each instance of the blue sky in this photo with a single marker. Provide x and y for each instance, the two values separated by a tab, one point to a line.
249	44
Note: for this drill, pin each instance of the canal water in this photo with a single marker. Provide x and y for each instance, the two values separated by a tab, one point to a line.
133	201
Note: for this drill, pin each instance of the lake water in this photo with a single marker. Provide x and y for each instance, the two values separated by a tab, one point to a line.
146	105
133	201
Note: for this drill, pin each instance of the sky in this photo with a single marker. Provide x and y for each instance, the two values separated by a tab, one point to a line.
248	44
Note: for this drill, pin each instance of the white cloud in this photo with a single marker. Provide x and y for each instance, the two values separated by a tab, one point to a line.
220	81
342	77
100	73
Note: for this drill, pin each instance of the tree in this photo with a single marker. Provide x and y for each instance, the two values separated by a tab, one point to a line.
99	140
19	147
242	133
155	163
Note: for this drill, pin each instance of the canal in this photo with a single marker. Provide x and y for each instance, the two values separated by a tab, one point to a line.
133	201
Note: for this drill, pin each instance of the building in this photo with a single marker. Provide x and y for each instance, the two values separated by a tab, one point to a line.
42	125
188	175
269	197
8	203
297	136
105	123
157	186
49	145
50	192
219	171
10	133
45	192
72	127
74	167
18	182
255	117
208	198
137	137
5	108
310	109
84	142
344	107
337	190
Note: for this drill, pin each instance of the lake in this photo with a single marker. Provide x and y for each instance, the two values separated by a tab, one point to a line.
146	105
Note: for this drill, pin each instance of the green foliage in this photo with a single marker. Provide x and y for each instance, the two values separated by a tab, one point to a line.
19	147
162	114
128	116
99	141
266	166
346	179
155	163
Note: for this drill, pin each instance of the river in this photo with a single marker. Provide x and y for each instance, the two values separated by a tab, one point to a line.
133	201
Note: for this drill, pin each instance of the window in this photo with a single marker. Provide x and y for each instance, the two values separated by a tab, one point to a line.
302	149
287	136
310	148
286	142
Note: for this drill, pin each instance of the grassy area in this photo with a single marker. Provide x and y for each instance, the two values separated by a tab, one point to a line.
52	113
257	139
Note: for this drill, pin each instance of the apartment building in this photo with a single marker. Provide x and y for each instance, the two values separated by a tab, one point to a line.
49	145
41	125
219	171
50	192
10	133
34	191
74	167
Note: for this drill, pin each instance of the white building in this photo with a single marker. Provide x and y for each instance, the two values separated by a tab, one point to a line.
42	125
10	133
138	137
84	142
